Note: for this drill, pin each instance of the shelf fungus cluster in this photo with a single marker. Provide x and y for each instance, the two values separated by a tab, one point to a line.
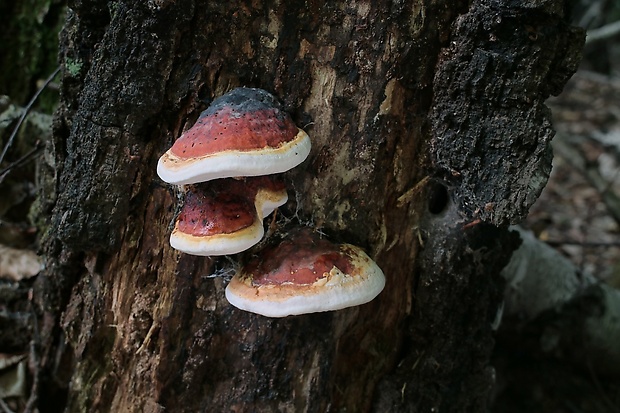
227	164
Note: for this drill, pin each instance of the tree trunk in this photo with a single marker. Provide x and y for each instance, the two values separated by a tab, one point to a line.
429	137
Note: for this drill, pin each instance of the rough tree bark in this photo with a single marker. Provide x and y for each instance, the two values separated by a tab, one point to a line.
429	137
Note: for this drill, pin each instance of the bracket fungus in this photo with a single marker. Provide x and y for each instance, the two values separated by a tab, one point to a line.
225	216
243	133
305	274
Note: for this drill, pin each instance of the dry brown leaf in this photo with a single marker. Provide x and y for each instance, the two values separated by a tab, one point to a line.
18	264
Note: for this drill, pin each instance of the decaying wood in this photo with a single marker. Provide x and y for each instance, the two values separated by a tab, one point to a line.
392	95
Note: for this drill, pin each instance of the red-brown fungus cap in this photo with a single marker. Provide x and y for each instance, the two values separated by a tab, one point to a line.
225	216
305	274
243	133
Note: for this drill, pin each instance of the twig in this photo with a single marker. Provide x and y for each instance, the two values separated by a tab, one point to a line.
4	172
559	243
603	33
5	407
600	79
25	113
34	360
592	15
407	196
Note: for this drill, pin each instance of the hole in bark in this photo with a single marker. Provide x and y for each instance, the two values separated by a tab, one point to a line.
438	198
